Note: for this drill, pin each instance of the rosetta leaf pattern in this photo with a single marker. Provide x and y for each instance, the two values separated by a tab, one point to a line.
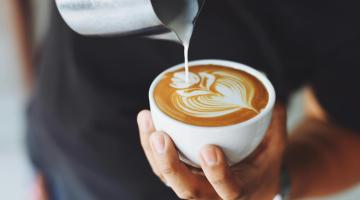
211	94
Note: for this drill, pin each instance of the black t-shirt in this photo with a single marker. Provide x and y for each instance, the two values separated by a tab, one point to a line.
89	89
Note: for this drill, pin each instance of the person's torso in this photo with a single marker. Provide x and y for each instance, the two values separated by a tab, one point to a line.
91	88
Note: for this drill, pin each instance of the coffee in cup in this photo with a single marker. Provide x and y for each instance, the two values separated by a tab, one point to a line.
222	103
212	96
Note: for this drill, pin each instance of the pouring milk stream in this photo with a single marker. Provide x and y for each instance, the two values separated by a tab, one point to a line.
182	24
183	27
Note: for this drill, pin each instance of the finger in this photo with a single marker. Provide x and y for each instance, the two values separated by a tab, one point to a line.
278	120
146	127
276	135
217	171
184	183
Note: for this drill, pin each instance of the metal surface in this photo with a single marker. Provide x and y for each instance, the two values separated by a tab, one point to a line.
123	17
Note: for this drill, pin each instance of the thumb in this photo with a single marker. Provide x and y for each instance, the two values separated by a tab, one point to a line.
218	173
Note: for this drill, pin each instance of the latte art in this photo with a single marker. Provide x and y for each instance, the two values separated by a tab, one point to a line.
215	94
212	96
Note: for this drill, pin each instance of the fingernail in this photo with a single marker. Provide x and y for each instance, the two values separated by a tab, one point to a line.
158	142
209	156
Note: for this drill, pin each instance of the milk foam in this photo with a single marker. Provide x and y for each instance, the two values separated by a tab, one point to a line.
211	94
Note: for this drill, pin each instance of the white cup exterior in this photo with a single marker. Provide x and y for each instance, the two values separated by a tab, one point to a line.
237	141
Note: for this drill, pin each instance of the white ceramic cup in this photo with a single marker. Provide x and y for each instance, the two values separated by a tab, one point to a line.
237	140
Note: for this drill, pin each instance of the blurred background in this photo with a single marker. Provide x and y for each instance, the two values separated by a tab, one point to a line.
15	172
16	176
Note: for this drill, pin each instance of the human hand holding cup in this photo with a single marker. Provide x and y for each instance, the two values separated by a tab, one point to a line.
255	177
237	139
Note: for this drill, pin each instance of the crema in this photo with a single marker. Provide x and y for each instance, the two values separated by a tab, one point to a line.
211	95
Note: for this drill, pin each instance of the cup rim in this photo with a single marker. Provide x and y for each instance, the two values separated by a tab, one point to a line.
225	63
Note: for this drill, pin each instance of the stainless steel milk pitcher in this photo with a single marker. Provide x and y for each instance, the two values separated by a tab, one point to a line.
127	17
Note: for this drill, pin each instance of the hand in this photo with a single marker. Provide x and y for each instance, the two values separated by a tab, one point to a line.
256	177
39	190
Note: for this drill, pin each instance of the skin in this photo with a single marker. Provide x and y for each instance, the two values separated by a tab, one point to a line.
321	158
257	177
21	16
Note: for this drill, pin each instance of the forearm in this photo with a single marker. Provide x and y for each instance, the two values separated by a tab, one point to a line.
322	159
22	21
